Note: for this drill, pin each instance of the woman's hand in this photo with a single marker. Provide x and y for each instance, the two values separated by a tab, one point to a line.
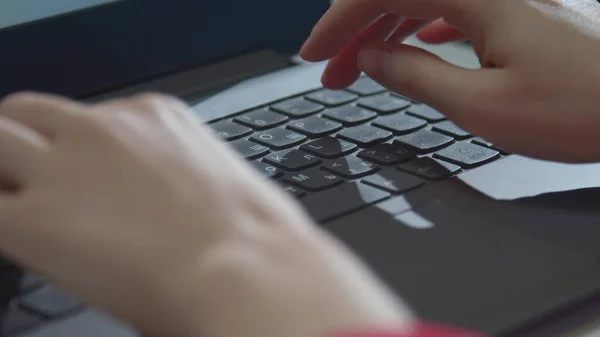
136	208
538	92
584	14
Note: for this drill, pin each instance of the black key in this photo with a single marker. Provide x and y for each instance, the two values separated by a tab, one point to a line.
430	169
50	302
294	191
297	107
261	119
365	135
350	167
269	171
13	320
387	154
249	150
228	130
315	126
332	97
350	115
30	282
424	141
365	86
384	104
341	201
329	147
451	129
426	112
400	123
293	160
313	180
278	138
394	181
467	155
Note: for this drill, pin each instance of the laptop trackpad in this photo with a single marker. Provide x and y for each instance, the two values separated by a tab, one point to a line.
457	268
570	218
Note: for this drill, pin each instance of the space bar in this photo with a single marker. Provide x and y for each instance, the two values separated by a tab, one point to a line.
342	200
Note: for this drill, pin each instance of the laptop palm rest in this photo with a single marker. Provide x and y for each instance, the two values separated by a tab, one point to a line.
454	266
554	202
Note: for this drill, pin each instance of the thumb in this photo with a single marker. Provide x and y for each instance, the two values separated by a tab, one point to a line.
423	76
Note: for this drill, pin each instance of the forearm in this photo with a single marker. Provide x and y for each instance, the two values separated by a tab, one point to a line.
295	286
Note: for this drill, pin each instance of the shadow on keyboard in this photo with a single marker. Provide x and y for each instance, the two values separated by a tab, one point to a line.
323	143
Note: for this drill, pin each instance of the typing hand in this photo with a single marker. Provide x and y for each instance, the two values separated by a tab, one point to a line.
538	92
135	207
584	14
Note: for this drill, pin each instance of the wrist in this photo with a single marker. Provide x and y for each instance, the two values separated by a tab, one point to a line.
290	285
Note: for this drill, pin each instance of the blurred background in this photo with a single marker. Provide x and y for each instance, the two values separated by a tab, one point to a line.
19	11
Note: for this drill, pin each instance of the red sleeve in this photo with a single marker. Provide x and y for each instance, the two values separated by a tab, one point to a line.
422	329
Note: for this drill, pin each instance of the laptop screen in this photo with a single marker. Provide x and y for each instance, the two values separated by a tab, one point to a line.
81	48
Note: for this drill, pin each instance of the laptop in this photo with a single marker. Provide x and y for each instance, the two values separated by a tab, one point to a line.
465	232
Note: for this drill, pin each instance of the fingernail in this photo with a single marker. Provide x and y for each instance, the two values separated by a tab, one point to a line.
374	60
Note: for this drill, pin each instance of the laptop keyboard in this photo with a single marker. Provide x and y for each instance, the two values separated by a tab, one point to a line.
29	302
338	151
335	151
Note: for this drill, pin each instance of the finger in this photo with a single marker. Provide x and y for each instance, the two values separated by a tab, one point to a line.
21	152
342	69
440	32
418	74
407	28
48	115
345	18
